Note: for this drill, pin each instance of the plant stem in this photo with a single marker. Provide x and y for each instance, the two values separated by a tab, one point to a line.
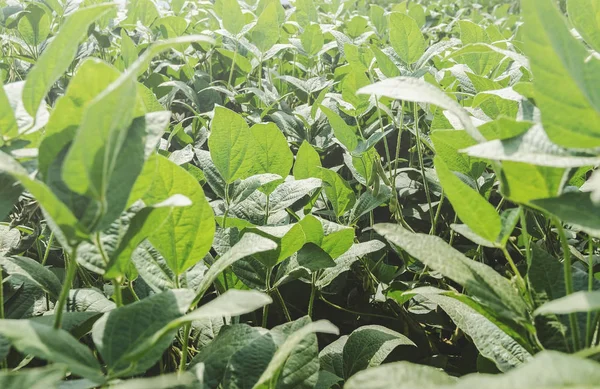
286	313
568	280
351	311
422	166
589	328
47	251
313	292
184	350
118	293
232	65
268	288
437	214
71	264
511	262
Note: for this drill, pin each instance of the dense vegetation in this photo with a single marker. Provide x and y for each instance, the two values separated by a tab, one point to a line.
323	195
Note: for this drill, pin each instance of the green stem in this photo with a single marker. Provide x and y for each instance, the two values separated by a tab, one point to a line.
1	295
71	264
313	292
184	350
286	313
511	262
265	314
422	166
118	293
589	328
232	66
351	311
47	251
437	214
568	280
266	211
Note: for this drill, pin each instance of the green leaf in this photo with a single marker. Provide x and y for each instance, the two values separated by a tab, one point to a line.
308	162
469	205
369	346
491	341
69	229
230	145
584	16
128	50
338	192
343	132
232	17
575	302
217	354
406	37
165	381
266	32
576	208
548	369
271	151
59	54
409	375
32	270
141	10
248	245
36	378
53	345
274	369
8	122
186	235
121	330
34	27
558	62
420	91
532	147
481	281
231	303
91	78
